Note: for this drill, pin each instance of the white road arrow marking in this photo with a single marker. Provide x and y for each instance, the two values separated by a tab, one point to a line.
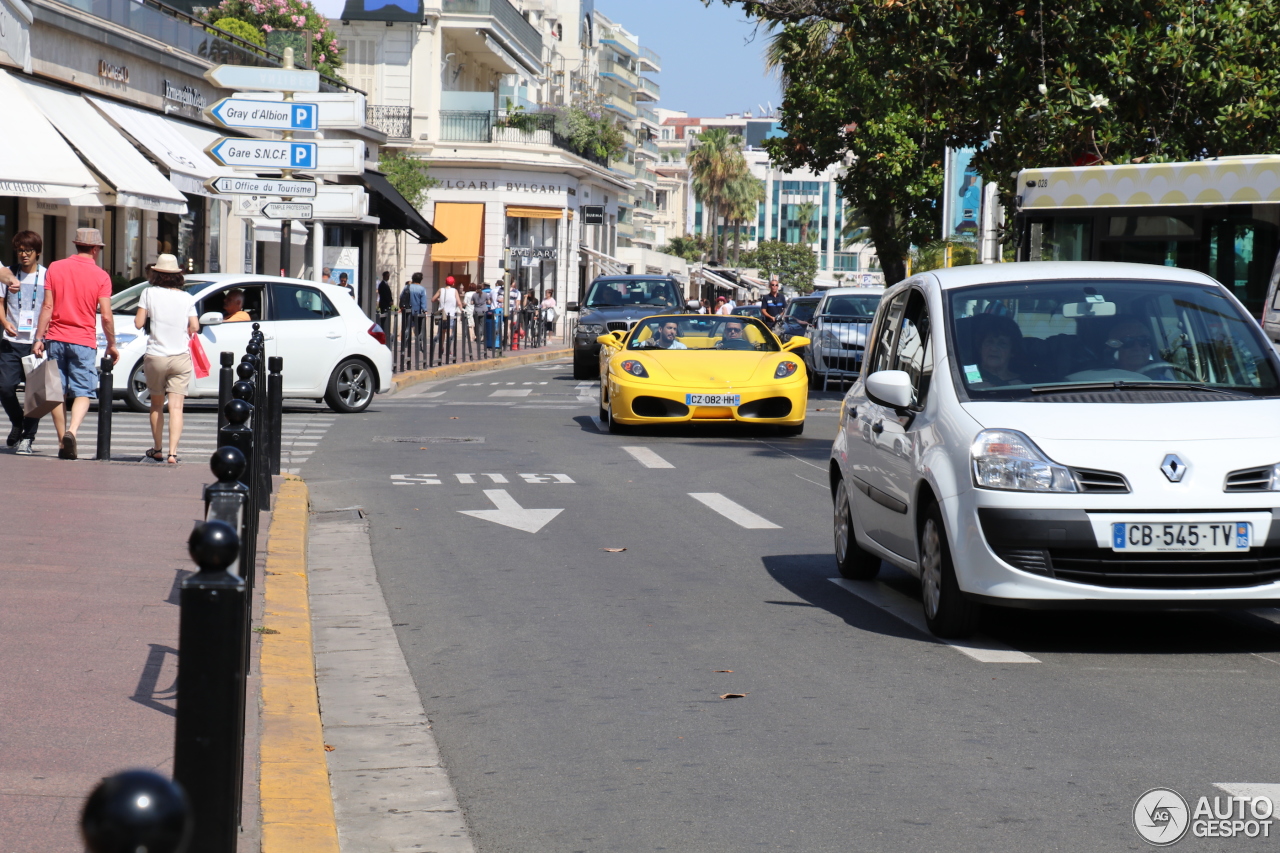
511	514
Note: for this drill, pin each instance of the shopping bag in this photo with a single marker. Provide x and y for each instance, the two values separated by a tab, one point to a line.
31	362
44	389
199	359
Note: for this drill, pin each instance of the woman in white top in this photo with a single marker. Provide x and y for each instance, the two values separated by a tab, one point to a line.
723	306
167	363
549	311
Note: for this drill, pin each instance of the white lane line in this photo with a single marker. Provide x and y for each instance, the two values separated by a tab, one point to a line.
497	478
512	392
466	478
815	482
908	610
736	513
648	458
1251	789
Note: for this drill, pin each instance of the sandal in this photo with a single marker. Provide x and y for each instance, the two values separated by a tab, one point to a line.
153	453
173	459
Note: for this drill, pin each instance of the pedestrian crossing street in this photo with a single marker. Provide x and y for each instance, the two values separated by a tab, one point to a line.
131	436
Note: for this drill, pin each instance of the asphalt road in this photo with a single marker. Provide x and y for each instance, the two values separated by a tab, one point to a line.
575	692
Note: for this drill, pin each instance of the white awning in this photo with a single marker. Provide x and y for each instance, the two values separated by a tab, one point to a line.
35	161
188	165
268	231
137	183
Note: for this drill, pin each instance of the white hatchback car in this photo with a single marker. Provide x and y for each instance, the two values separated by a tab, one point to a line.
1063	434
332	351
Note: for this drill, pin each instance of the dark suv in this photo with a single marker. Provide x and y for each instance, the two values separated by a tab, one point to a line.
615	303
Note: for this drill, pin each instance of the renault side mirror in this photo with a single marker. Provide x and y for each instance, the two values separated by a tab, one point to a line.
890	388
211	318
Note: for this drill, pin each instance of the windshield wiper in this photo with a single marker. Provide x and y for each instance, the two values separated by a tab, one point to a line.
1120	384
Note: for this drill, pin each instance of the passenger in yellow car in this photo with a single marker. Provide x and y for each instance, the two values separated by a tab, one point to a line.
667	336
734	336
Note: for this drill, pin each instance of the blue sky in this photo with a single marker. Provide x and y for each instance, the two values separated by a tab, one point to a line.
711	57
711	64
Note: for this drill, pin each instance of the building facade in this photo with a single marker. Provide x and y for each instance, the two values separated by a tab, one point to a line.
497	97
109	98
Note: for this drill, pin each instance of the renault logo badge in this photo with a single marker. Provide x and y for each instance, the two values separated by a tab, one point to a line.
1173	468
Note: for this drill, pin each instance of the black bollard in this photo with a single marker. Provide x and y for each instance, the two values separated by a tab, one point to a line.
136	810
209	731
275	405
106	391
261	481
227	500
226	376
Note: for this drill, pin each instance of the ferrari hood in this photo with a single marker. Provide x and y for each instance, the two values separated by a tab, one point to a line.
710	370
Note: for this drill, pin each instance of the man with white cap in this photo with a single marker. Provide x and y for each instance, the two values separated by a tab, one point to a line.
76	289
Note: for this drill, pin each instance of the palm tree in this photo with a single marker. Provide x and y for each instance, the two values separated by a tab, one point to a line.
805	214
856	229
743	193
690	248
717	158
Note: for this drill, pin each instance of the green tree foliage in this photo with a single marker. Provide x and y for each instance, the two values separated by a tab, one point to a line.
715	162
690	248
933	255
408	174
796	265
286	23
884	85
742	195
244	30
589	129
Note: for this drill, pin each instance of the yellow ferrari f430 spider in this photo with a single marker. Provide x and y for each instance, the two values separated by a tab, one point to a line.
704	368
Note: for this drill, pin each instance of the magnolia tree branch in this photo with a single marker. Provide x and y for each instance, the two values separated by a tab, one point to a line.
792	10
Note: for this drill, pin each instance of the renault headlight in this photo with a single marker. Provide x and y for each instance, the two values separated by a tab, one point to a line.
1008	460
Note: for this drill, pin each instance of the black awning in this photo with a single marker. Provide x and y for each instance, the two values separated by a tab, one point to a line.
394	211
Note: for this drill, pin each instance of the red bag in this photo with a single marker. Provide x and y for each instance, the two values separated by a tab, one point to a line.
199	360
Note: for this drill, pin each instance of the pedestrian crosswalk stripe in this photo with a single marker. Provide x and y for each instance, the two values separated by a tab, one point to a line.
735	512
981	649
512	392
648	458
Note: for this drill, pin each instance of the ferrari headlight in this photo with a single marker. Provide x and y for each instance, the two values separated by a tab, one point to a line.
635	368
785	369
592	329
1008	460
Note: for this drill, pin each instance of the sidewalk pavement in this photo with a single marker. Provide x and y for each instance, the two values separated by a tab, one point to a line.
92	556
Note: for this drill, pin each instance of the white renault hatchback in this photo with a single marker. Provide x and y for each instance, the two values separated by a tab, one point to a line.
332	351
1063	434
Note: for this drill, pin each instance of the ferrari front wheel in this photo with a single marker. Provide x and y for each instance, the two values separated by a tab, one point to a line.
791	429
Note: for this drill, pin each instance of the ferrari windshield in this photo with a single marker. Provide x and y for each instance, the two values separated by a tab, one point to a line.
621	292
703	332
1021	341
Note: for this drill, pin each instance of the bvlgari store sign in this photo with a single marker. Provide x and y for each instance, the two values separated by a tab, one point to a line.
507	186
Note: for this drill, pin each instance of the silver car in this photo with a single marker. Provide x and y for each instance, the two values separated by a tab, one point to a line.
838	333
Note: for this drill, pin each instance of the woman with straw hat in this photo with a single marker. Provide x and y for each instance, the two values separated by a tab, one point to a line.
171	313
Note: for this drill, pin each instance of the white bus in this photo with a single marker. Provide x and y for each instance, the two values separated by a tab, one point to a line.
1221	217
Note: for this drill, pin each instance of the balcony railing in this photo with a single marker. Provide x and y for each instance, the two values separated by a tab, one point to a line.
525	33
189	34
650	88
646	114
644	235
621	105
395	122
615	37
503	129
621	71
650	148
648	57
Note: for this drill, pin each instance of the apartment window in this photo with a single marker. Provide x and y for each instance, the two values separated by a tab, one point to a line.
360	64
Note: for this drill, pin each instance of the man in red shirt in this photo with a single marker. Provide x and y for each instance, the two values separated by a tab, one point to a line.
75	290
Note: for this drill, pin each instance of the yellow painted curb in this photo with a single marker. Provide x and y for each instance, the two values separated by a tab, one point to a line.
404	380
297	805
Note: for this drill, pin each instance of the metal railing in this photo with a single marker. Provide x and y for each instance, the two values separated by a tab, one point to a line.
836	349
614	36
651	87
395	122
524	33
423	341
505	128
608	66
188	33
651	57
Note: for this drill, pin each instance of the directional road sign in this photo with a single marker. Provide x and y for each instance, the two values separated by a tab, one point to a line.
263	153
287	210
291	188
269	115
263	79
